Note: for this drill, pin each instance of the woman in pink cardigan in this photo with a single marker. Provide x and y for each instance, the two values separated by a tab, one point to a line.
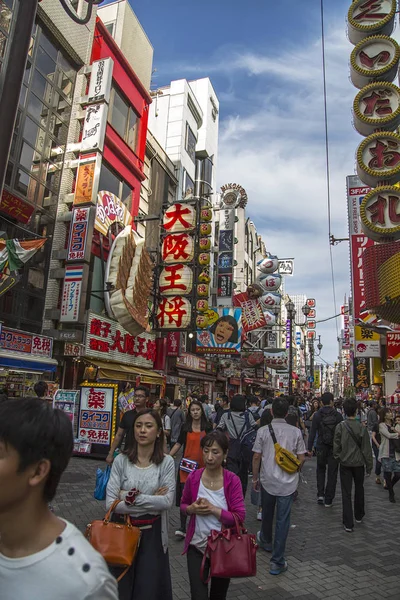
211	496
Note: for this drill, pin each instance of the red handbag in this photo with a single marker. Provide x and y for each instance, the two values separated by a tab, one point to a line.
232	553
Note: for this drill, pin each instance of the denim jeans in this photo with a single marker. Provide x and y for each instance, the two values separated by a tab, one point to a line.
283	506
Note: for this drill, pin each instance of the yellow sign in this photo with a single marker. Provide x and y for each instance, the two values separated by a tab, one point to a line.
364	334
317	379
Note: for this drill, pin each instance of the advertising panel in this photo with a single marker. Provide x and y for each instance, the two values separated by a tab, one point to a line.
252	313
87	179
367	343
223	334
78	245
97	412
71	294
27	343
362	378
393	346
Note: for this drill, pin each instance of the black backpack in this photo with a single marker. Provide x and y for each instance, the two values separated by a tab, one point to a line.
327	426
240	447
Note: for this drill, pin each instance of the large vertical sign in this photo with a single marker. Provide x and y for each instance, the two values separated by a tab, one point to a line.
356	191
225	253
72	297
97	412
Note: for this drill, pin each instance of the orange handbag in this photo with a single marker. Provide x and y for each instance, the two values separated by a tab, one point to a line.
118	543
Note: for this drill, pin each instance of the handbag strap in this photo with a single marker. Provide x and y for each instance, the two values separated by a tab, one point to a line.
272	432
110	511
203	566
352	434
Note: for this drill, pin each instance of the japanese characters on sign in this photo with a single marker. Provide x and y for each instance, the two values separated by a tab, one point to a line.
378	158
15	207
72	294
286	267
277	359
374	58
380	213
232	197
100	80
223	333
174	343
367	342
78	246
177	247
369	17
110	209
94	127
362	379
252	313
87	179
17	341
346	327
66	400
393	346
377	106
72	350
97	413
192	362
107	340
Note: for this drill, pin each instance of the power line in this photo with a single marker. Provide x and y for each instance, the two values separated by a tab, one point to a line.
328	187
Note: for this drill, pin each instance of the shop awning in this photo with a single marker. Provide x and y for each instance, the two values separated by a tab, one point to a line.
28	363
120	372
196	375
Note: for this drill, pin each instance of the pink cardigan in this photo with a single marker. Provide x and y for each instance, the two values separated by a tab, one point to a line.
233	495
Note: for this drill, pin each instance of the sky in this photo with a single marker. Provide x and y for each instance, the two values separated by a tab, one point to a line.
264	59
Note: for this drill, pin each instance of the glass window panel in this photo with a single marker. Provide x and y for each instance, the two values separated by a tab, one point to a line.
191	143
67	86
48	46
46	64
22	182
27	156
66	66
28	71
109	182
34	308
13	145
9	171
59	130
36	108
126	196
3	41
62	107
132	129
36	279
5	15
119	114
22	96
39	85
188	186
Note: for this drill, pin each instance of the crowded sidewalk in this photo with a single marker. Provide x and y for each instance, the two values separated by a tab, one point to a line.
324	561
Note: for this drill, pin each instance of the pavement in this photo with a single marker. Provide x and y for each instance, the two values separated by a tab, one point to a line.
324	561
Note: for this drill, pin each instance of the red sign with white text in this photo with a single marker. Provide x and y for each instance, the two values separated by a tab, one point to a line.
358	244
393	346
15	207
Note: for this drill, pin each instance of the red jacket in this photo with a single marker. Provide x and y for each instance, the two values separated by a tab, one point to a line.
234	499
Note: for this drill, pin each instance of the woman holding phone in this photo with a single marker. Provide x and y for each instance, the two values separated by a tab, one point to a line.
195	428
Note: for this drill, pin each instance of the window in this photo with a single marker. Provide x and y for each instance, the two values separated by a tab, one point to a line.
110	27
204	173
188	185
123	118
110	182
191	142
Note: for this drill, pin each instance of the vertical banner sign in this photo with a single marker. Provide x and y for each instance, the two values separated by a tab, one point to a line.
87	179
225	253
71	294
97	413
345	326
361	374
393	346
78	246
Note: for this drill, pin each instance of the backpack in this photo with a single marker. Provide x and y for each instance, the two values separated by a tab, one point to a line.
326	429
241	447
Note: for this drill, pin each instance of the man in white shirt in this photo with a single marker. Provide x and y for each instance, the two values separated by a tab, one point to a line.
41	556
277	486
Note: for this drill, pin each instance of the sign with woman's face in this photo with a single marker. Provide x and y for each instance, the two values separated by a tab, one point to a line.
223	336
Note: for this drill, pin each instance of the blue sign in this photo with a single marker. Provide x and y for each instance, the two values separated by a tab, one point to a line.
310	379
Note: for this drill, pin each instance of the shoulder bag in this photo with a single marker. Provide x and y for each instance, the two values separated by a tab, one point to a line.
284	458
118	543
232	553
352	434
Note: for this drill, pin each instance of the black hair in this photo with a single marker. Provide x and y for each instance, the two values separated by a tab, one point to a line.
204	397
291	419
204	422
40	389
382	414
215	436
163	406
158	453
327	398
238	403
292	400
177	402
252	400
142	388
280	407
266	417
350	407
224	398
37	432
232	321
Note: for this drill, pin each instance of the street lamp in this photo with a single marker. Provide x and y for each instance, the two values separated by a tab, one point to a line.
291	313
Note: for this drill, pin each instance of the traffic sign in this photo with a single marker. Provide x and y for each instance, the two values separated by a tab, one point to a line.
310	379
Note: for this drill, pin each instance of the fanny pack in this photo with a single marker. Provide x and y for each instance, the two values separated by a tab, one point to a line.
284	458
188	466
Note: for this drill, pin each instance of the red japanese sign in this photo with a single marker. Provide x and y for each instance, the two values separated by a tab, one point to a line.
78	234
174	313
192	362
393	346
358	244
106	339
178	247
252	313
179	217
174	343
17	341
16	207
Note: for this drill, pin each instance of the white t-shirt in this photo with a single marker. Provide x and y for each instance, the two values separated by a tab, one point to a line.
68	569
205	523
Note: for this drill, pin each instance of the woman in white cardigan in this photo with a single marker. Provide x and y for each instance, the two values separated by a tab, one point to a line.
388	455
143	479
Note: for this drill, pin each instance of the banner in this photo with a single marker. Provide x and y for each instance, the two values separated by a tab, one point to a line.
223	334
96	412
367	343
393	346
362	378
252	313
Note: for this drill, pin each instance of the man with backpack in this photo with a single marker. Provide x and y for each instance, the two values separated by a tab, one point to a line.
324	424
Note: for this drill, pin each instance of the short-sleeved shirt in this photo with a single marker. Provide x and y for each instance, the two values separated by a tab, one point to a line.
127	424
233	422
275	480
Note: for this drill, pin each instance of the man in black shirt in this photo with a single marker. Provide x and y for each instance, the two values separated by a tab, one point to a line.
125	428
222	408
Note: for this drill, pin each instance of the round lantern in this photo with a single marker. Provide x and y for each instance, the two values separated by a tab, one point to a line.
270	317
380	214
179	217
202	305
201	321
270	300
364	20
204	244
174	313
375	58
269	282
269	264
178	247
377	106
205	229
176	279
378	159
202	290
204	258
204	277
205	214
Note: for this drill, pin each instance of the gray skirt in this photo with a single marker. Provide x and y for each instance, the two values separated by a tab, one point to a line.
391	465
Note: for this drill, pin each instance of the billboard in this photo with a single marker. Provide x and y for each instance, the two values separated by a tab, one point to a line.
223	334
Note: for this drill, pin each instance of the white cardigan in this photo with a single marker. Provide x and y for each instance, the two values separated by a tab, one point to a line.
384	445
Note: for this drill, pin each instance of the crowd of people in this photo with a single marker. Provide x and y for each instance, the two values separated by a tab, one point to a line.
197	454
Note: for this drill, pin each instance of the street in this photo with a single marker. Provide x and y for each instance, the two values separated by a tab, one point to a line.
324	561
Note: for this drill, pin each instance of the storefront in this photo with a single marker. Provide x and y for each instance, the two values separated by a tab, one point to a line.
25	358
198	373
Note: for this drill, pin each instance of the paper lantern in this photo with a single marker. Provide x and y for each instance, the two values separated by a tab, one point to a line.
269	282
178	247
204	244
201	321
202	290
179	217
377	106
380	213
204	277
270	300
375	58
205	214
205	229
378	159
270	317
370	18
204	258
174	313
202	305
176	279
269	264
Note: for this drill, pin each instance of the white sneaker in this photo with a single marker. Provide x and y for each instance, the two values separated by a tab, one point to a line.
180	534
259	515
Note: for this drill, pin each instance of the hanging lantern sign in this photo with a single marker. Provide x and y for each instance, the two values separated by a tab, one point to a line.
380	213
370	17
270	317
377	106
375	58
269	282
176	279
270	300
174	313
269	264
378	159
179	217
177	247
